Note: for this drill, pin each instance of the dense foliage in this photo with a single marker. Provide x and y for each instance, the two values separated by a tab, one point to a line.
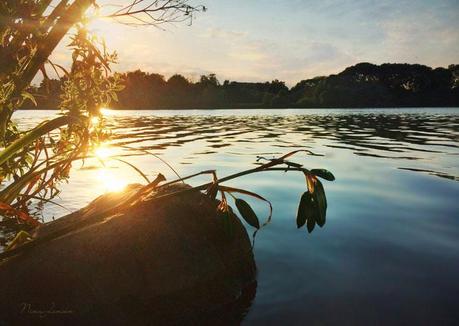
362	85
387	85
33	162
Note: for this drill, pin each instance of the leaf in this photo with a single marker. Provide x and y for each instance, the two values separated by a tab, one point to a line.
27	218
156	156
311	224
114	96
247	213
303	207
27	95
307	211
60	67
321	204
20	238
5	207
32	183
252	194
11	211
34	134
324	174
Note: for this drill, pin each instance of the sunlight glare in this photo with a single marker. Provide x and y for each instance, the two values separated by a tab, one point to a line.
95	120
93	18
106	112
110	181
103	152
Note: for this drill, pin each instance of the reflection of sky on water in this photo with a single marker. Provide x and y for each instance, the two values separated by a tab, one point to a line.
389	252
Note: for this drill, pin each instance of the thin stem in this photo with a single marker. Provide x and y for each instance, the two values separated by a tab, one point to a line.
136	197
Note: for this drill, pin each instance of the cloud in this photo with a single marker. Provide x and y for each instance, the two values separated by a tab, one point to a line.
290	39
422	37
217	32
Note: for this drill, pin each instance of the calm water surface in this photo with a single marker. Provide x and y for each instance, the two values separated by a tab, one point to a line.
389	252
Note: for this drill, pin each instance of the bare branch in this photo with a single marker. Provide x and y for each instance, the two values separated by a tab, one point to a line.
156	12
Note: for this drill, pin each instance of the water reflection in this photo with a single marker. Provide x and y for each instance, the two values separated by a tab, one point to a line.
405	136
110	181
389	253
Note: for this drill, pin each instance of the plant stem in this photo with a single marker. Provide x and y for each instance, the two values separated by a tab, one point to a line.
135	197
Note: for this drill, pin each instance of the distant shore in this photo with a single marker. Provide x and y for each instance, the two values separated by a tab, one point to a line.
272	109
364	85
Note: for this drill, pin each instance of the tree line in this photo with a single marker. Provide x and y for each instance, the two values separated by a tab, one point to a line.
361	85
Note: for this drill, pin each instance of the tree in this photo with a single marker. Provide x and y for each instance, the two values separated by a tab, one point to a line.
30	30
209	80
141	90
455	72
387	85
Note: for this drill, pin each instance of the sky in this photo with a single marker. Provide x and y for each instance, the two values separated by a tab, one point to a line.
289	40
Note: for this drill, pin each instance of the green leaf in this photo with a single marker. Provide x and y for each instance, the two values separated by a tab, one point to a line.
303	208
311	224
247	213
307	211
27	95
252	194
321	204
324	174
114	96
34	134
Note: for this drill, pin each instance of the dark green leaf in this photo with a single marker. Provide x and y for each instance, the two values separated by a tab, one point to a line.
321	204
311	224
303	208
247	213
27	95
324	174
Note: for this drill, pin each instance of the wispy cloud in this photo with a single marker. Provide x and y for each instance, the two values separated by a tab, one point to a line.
423	37
290	39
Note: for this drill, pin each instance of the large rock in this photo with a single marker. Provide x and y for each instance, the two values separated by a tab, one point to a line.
166	261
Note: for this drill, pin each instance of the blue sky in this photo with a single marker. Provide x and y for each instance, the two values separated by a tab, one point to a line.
255	40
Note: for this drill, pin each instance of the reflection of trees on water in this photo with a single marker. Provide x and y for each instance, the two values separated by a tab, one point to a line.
402	136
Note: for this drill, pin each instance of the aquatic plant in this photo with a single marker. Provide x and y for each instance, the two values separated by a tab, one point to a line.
311	210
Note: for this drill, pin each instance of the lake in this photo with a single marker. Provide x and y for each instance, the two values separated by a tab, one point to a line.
389	252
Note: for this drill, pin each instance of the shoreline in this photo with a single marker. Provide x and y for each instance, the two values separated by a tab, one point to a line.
270	109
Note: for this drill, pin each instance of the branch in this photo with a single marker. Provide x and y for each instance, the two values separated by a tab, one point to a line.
138	196
156	12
